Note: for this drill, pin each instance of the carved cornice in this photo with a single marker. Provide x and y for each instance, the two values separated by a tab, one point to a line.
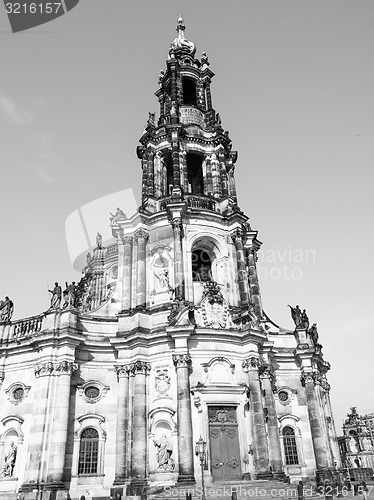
251	364
139	367
57	368
182	360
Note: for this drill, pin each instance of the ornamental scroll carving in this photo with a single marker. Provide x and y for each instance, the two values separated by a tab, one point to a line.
57	368
162	382
214	308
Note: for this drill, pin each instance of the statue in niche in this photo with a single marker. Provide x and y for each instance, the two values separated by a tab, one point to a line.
163	456
353	445
162	382
10	460
56	296
6	310
161	271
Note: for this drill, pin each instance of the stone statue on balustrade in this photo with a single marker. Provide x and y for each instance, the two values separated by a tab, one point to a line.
56	297
6	310
299	317
119	215
9	461
165	450
99	240
69	295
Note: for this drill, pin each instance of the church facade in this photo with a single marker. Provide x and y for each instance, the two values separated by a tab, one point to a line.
165	338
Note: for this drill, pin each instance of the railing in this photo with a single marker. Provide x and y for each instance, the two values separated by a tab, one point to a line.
112	249
200	202
190	115
26	327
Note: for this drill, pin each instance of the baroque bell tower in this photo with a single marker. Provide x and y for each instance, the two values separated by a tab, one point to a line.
188	169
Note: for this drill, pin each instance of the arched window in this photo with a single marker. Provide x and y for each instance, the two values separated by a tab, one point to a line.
290	447
201	266
195	173
189	92
88	451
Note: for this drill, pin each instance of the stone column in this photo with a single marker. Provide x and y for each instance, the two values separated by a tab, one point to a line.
182	363
275	450
308	380
261	450
178	258
209	104
139	370
35	460
176	165
215	169
223	175
150	170
209	177
254	287
127	273
122	423
141	237
144	177
237	238
59	430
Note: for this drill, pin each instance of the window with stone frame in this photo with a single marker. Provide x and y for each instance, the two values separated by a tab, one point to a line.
88	451
290	446
201	266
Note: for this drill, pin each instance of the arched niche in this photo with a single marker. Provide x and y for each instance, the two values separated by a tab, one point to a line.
219	371
11	441
162	441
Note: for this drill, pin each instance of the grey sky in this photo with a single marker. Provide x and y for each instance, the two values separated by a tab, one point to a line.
294	86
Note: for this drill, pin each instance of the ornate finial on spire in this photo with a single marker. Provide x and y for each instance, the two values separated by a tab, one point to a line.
181	44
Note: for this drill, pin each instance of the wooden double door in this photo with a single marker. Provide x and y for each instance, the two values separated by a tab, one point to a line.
224	443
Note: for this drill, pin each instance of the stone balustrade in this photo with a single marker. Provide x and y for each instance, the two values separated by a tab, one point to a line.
26	327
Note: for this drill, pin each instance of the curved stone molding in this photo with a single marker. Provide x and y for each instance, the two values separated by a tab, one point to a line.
219	359
57	368
182	360
12	422
97	395
17	392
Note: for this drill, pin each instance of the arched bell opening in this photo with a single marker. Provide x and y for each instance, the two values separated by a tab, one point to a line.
189	92
195	173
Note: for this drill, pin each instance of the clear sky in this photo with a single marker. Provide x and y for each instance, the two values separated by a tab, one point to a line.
294	86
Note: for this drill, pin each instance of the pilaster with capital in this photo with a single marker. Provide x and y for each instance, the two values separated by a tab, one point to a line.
140	239
63	369
254	286
178	257
150	171
139	370
127	268
237	238
275	451
309	379
182	363
262	465
122	448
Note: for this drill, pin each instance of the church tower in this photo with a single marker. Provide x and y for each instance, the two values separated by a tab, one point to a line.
164	340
